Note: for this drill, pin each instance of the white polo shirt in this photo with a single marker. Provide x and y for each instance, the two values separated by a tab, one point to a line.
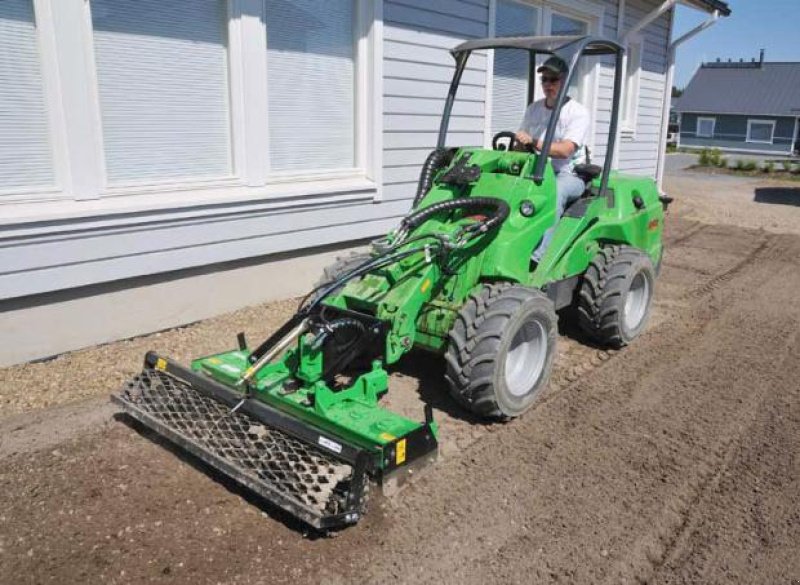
572	125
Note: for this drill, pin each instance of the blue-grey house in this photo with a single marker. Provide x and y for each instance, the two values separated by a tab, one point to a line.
750	106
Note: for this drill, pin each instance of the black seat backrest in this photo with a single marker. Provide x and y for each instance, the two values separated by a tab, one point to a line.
588	172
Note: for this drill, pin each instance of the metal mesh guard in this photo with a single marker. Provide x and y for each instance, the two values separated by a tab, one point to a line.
267	456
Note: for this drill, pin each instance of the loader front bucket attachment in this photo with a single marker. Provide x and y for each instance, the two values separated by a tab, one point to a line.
313	476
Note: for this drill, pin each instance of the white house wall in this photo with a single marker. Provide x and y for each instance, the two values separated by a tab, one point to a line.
638	153
39	254
417	69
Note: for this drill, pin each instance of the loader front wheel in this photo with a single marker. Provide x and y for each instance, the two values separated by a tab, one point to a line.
615	296
501	350
340	267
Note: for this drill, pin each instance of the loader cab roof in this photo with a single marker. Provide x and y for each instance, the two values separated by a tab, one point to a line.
562	46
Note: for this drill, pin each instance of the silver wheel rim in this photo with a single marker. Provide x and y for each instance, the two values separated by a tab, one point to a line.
525	358
637	300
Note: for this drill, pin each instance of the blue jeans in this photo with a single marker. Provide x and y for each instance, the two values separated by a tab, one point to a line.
569	187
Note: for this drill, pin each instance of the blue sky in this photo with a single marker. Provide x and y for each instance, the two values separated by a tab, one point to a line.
753	25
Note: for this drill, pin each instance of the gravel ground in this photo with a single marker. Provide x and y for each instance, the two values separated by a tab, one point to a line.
101	370
673	461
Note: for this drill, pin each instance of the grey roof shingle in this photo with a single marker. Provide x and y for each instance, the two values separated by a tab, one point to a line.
772	89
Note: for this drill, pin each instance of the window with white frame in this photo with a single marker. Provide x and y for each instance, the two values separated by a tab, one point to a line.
162	80
705	127
111	97
630	99
563	24
760	131
510	81
510	67
311	71
25	152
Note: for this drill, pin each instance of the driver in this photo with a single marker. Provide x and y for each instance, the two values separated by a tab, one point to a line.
569	141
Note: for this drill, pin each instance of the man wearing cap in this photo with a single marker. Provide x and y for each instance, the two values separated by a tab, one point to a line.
569	141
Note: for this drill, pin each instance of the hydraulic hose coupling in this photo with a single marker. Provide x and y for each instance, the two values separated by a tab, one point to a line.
279	347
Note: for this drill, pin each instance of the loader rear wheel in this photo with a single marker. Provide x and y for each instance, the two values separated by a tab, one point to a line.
501	350
616	294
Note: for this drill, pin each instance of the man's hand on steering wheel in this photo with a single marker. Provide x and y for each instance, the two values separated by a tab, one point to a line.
519	141
525	141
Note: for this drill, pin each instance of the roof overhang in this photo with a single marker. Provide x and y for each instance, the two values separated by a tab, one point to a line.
710	6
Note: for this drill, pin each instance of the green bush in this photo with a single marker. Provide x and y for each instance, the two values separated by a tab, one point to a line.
787	165
768	167
715	157
796	170
750	165
705	158
722	162
739	165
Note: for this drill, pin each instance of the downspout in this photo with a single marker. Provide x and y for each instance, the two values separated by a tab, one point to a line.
662	137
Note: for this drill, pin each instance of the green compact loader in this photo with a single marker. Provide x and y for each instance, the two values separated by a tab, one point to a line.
298	419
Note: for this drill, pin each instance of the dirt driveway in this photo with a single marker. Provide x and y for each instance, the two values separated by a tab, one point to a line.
676	460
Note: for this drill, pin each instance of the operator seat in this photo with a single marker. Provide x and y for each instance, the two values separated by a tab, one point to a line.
587	171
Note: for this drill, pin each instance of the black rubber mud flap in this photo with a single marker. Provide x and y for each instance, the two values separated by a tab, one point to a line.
312	475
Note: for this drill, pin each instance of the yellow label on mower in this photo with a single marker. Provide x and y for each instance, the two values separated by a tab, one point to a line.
400	452
161	364
426	284
387	436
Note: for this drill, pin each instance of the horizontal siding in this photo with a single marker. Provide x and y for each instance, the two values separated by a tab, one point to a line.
418	67
428	19
72	259
427	140
430	123
414	88
432	106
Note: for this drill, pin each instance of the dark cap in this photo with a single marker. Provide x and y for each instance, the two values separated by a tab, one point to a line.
553	64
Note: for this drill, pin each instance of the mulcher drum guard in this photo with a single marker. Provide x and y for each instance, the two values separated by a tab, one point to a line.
248	444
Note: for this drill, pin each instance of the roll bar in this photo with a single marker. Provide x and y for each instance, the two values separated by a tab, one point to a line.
570	49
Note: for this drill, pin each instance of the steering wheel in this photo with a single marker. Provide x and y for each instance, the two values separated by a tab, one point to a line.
513	143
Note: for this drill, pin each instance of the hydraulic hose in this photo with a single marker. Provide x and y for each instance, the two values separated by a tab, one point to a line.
501	211
332	328
437	159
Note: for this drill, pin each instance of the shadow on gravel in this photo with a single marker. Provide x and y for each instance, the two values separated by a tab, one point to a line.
568	327
229	484
428	369
778	195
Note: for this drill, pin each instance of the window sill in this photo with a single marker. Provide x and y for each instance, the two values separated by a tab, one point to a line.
191	202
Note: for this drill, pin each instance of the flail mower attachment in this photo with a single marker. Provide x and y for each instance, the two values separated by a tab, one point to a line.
312	475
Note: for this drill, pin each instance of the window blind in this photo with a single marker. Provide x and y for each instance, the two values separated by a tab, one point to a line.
25	152
162	74
510	84
311	84
564	25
